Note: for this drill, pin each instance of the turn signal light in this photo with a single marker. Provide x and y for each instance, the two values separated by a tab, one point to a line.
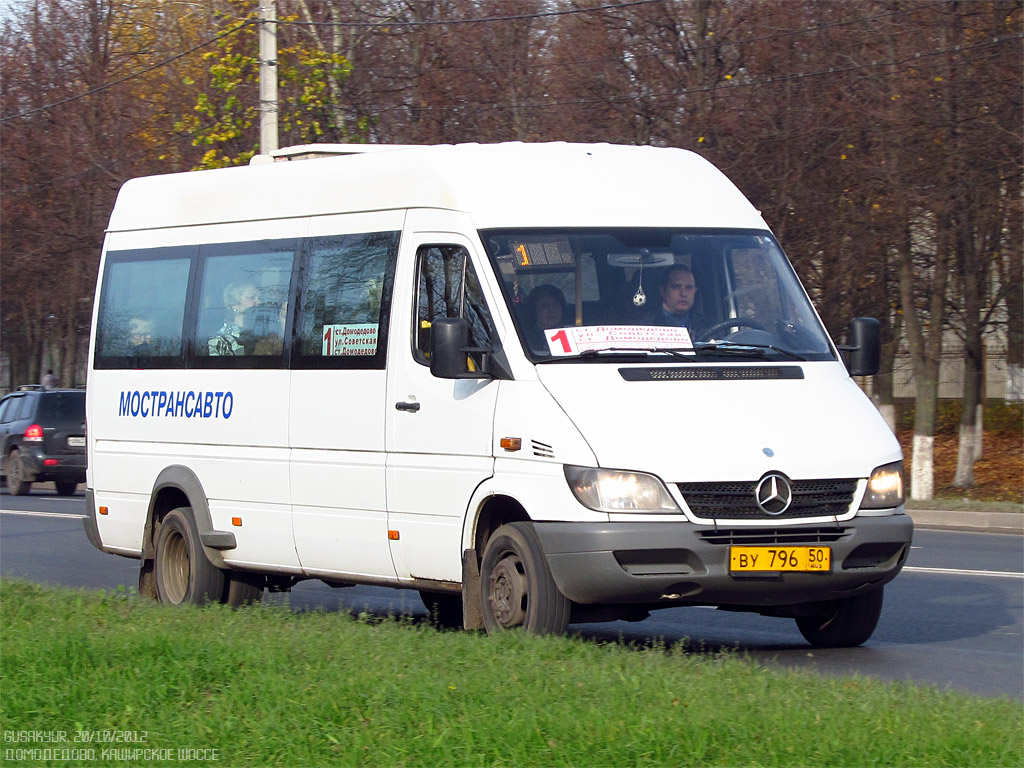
393	535
104	510
34	434
511	443
236	521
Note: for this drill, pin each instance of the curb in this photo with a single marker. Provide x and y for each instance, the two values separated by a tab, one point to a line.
960	520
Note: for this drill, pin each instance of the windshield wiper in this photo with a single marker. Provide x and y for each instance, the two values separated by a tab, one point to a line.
760	350
674	352
594	354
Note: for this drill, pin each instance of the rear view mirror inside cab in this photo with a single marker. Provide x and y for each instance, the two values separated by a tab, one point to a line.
642	257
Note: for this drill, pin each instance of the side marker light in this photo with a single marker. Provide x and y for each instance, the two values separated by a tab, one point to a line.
511	443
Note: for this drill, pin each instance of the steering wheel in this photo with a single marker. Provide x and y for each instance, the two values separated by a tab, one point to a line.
732	322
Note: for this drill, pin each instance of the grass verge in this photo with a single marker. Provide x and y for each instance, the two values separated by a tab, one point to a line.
966	505
263	687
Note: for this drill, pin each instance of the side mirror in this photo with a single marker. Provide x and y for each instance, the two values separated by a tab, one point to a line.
450	350
864	352
449	336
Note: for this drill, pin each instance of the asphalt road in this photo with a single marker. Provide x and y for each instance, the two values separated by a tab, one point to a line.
954	618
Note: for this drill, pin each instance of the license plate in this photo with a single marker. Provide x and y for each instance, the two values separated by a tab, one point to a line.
775	559
76	442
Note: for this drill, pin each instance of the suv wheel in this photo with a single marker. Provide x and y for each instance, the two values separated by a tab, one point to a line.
66	487
17	485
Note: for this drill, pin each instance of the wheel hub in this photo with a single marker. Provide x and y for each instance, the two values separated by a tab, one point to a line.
507	592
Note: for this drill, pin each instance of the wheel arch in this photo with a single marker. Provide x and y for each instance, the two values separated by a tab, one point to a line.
494	511
177	486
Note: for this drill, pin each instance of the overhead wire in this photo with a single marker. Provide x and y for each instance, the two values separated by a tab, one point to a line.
132	76
732	84
543	14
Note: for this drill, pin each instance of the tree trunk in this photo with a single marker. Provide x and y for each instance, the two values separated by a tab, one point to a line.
922	473
969	449
971	277
926	350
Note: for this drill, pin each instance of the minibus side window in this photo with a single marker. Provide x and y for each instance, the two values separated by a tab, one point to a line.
447	286
345	295
142	308
243	303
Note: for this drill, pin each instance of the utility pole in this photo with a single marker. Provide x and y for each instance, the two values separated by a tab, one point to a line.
268	76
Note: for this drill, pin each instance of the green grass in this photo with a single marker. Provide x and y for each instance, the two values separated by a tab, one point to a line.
264	686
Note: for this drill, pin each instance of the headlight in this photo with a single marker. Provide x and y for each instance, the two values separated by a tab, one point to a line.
612	490
885	487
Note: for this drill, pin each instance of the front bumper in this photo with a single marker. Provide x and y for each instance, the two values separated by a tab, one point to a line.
681	563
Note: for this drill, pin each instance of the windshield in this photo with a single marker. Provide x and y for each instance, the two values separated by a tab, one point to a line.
689	294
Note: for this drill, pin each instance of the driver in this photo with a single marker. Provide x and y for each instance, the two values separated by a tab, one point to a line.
678	292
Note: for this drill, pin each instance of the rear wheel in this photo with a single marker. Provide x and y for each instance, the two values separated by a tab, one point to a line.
17	485
66	487
843	623
445	608
183	573
242	588
516	586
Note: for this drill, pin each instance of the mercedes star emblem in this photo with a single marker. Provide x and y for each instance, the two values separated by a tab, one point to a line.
774	494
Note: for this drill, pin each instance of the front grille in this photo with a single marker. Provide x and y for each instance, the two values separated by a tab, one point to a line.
737	501
777	536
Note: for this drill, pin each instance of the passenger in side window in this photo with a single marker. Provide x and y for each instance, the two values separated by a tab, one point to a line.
229	340
140	337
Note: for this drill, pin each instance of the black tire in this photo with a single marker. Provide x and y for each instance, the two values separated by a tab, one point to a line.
241	588
844	623
444	608
66	487
516	586
183	573
17	485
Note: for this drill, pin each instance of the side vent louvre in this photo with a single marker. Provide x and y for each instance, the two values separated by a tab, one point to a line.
543	450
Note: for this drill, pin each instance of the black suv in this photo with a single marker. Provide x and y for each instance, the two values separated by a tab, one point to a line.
42	432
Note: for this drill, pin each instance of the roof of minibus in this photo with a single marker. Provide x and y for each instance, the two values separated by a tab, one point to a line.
500	185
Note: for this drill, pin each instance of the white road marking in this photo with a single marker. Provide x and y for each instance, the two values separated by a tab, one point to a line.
962	572
31	513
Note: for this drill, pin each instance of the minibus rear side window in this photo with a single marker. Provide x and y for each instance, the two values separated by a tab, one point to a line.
243	303
142	308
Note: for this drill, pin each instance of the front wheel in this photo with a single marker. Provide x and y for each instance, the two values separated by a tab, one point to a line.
516	586
843	623
183	572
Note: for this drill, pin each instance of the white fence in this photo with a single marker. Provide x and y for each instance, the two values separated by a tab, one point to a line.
951	376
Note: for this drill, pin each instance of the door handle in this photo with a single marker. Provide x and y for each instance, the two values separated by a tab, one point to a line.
411	407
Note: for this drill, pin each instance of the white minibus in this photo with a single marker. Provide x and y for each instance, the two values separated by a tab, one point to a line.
538	383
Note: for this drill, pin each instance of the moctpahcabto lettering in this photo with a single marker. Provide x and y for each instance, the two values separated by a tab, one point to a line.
176	405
